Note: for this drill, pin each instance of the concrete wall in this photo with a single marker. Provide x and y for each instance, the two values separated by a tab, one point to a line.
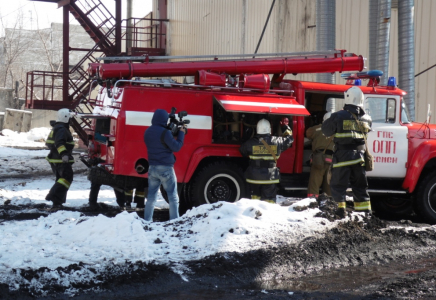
17	120
41	118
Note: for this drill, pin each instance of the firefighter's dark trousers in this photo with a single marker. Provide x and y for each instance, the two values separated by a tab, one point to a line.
356	176
64	178
266	192
319	176
95	189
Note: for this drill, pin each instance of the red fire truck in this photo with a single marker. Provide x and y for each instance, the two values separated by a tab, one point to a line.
224	102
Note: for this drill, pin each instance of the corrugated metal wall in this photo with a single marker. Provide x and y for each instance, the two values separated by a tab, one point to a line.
234	26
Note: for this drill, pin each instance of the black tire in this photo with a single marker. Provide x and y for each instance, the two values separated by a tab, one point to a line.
426	198
388	205
218	181
184	204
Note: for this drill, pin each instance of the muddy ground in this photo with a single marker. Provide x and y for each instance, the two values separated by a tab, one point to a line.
357	260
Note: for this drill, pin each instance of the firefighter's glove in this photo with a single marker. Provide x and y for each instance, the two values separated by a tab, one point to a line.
286	130
65	159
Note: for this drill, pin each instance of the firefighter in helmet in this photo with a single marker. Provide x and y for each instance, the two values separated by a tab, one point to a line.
322	151
350	127
263	150
60	143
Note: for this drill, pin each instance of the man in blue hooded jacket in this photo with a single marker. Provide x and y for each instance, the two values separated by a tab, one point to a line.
160	147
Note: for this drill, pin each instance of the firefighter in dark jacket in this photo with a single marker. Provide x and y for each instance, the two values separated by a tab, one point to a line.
263	150
348	159
322	151
60	142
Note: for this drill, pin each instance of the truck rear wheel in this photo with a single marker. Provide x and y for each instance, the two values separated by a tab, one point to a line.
426	199
184	204
219	181
389	205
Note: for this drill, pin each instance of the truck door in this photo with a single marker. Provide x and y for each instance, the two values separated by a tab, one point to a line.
388	139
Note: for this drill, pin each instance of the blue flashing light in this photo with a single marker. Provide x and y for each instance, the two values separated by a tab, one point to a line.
375	73
392	81
358	82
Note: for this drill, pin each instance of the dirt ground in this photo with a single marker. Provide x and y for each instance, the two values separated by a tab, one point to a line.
357	260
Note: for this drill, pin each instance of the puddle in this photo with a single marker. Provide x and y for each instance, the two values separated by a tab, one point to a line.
352	277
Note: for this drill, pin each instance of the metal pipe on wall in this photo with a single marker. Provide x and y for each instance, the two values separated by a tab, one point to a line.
382	41
406	53
373	16
326	38
325	32
129	27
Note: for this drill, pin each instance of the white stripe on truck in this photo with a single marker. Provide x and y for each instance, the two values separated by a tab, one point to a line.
143	118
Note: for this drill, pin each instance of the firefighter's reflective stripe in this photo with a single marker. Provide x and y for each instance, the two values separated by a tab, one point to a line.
61	148
52	142
64	182
353	126
270	201
57	161
287	132
348	163
255	197
263	181
354	135
341	204
365	205
140	194
128	192
263	157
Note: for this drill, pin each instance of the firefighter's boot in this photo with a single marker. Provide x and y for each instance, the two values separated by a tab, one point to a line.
341	213
55	207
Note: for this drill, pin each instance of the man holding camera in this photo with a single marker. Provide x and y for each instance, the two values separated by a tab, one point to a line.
160	147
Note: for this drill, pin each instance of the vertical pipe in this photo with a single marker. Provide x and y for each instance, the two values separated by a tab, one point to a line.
373	16
118	17
129	41
65	52
163	13
325	32
406	53
244	25
382	42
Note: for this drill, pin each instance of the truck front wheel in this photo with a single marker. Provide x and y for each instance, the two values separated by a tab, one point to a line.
426	199
219	181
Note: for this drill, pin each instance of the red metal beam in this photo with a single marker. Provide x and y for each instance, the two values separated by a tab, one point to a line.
66	53
254	66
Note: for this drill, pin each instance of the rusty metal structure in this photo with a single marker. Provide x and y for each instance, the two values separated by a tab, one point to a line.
113	36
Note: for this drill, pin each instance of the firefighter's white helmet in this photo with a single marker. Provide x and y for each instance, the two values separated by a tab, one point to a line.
326	116
354	96
63	115
263	127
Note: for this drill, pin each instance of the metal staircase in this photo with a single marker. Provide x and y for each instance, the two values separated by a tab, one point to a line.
45	88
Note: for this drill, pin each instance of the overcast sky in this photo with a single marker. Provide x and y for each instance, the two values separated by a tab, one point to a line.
47	13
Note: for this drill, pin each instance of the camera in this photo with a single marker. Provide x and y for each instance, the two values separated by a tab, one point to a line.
174	125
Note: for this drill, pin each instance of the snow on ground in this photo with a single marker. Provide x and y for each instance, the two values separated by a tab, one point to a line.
65	237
